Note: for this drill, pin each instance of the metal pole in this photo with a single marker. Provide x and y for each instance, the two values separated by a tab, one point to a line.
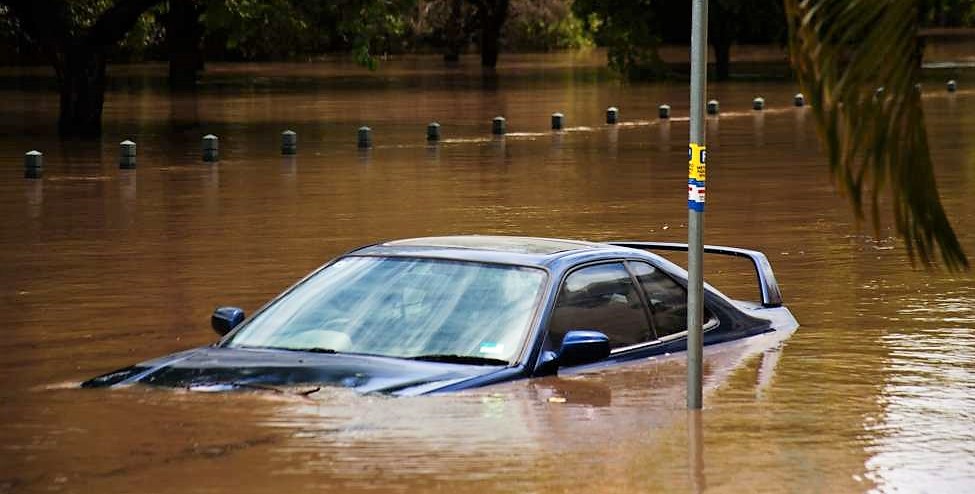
697	157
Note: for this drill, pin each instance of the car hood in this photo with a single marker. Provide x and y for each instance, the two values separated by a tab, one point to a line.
218	369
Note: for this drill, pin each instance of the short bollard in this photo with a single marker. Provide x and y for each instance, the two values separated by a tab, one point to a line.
211	148
558	121
126	155
758	103
433	132
879	93
663	111
713	107
364	137
799	99
33	164
612	115
952	86
289	142
498	126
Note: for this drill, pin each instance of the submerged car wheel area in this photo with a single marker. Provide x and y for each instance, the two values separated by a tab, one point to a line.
442	314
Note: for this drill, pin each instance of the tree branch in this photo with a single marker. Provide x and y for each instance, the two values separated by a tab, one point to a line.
117	20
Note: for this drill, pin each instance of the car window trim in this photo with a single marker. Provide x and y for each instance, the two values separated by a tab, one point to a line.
709	325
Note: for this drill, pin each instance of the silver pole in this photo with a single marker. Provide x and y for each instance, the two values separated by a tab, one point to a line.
695	204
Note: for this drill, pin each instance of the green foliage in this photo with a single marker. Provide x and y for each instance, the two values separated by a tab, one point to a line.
256	29
630	31
842	51
543	26
275	29
948	13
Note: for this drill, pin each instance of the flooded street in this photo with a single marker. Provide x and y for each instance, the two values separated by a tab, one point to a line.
101	268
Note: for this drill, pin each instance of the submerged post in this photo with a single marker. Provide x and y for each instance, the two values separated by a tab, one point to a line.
558	121
364	137
33	164
713	107
697	158
211	148
433	132
498	126
289	142
126	155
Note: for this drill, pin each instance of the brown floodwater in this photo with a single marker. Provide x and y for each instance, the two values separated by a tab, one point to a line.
101	268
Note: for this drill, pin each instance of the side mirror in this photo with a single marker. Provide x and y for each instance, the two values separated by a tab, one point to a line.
583	347
225	319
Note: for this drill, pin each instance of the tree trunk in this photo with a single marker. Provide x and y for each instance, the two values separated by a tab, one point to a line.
492	20
454	33
184	41
722	62
81	82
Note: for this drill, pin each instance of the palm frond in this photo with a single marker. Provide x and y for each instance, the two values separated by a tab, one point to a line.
842	52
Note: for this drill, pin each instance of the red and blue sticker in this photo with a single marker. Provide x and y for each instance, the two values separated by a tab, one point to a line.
697	157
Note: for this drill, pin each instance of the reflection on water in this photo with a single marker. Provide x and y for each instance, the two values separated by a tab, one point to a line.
104	267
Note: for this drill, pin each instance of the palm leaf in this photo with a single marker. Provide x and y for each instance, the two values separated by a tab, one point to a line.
843	51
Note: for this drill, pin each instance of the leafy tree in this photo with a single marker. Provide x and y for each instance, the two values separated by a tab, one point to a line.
633	30
842	51
530	25
76	37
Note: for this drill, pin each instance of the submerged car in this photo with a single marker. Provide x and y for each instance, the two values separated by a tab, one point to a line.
441	314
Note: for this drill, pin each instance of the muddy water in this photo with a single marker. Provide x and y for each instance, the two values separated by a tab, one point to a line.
101	267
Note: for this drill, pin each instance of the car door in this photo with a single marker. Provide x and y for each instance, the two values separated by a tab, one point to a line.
603	297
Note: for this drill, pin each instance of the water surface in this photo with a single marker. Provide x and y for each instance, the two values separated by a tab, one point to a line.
101	267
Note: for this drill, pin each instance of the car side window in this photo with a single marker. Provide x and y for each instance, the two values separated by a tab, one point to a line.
601	297
667	299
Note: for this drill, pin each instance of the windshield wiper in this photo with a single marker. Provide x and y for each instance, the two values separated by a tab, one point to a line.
313	349
460	359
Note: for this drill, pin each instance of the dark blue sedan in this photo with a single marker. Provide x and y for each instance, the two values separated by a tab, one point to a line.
442	314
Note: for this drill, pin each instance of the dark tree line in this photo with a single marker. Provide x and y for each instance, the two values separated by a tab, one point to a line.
79	37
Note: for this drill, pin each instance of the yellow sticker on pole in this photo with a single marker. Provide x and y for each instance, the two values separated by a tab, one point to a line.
697	161
697	157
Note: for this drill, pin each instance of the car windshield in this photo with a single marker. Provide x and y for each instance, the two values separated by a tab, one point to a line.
431	309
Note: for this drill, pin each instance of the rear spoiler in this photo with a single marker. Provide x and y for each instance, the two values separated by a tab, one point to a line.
767	286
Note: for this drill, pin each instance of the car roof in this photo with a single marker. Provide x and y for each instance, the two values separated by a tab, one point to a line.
490	248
